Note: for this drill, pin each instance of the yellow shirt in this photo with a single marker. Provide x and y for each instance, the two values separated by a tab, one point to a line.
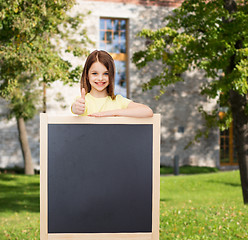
95	105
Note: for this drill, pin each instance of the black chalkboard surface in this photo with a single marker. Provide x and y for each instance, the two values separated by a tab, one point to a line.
100	178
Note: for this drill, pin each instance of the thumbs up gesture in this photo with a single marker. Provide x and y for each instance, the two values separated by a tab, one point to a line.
78	107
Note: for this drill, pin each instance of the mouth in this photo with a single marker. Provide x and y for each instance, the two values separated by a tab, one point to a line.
100	83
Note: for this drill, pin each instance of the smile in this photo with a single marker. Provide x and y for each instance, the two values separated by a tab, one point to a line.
100	83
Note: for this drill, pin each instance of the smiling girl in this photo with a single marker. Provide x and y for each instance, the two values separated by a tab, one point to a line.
97	91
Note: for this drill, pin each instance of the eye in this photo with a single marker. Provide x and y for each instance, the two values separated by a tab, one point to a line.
94	73
106	73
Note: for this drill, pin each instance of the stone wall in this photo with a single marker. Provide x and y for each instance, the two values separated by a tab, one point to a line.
164	3
178	106
10	150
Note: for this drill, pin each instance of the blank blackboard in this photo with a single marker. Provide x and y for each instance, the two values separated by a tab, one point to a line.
99	178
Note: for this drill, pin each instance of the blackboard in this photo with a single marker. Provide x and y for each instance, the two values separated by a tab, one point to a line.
99	178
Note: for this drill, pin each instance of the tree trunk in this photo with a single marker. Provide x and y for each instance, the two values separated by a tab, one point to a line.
26	153
240	119
240	126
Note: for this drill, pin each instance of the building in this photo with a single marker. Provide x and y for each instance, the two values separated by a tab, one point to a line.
114	25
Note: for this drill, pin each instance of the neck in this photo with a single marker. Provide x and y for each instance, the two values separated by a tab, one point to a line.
97	94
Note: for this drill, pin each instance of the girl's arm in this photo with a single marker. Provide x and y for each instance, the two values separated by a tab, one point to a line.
133	110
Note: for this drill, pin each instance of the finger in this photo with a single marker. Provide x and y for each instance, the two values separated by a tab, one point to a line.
93	115
81	110
83	93
80	101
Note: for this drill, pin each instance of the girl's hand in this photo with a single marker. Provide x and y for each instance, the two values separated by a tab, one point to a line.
78	107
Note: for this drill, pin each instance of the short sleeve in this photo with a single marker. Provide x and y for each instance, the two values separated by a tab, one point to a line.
124	102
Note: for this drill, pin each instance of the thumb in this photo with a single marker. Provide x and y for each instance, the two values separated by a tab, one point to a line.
83	93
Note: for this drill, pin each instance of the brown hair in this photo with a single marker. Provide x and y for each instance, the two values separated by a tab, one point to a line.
104	58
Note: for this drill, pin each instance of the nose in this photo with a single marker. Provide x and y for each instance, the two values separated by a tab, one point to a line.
100	77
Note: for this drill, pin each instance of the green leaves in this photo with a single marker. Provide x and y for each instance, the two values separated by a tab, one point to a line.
205	35
33	36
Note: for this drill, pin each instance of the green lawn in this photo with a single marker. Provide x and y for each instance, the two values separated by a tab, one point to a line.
19	207
201	206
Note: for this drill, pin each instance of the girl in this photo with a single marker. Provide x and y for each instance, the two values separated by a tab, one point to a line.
97	91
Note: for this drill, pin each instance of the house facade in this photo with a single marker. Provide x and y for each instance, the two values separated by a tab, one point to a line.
113	26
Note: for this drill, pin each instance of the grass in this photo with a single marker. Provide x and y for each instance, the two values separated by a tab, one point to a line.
19	207
201	206
205	206
163	170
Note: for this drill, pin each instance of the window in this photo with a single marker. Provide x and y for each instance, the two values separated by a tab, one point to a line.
113	39
228	154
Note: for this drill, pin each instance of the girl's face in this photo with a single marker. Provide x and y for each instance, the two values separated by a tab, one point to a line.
99	79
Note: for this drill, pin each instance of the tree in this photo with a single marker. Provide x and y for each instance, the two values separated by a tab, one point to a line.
32	33
212	36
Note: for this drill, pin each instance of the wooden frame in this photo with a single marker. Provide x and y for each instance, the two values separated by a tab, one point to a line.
44	121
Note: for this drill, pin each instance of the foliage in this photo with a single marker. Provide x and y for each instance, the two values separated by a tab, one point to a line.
32	34
188	170
205	206
207	35
23	99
